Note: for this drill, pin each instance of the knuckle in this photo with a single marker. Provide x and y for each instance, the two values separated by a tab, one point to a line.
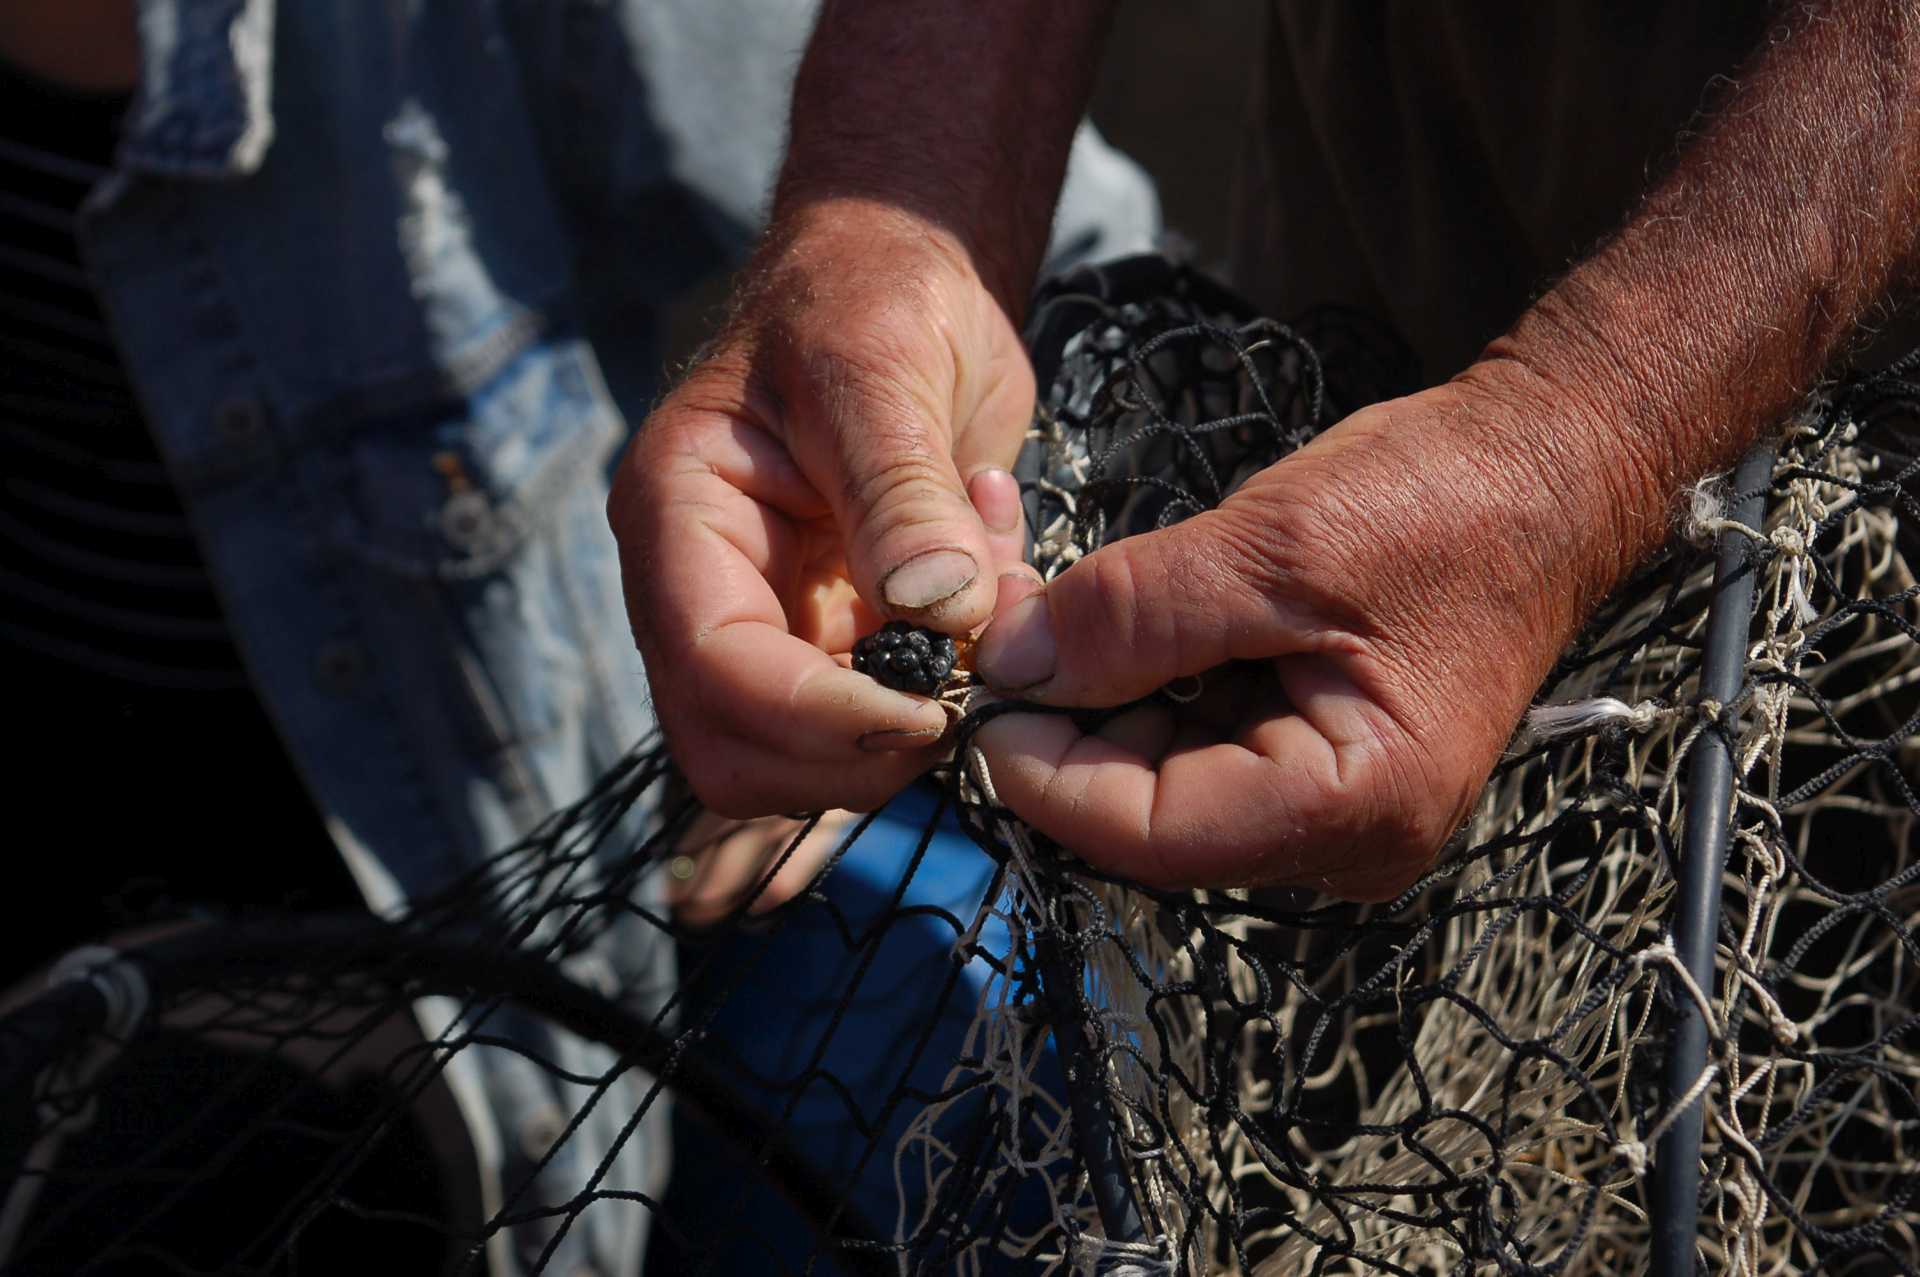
1321	538
714	764
663	451
1094	608
1134	613
1115	586
906	487
634	511
1163	868
626	494
1260	572
885	431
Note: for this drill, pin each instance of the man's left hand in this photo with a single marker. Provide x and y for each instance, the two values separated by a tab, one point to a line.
1368	619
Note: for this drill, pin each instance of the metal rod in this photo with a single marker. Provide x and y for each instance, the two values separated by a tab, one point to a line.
1097	1141
1703	861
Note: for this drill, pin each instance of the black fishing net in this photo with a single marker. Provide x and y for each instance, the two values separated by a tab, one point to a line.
958	1049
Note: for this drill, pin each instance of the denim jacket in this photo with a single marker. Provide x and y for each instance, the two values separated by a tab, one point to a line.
387	275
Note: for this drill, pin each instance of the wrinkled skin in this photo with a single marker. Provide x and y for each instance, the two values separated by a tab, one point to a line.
851	420
1367	623
1386	601
1376	595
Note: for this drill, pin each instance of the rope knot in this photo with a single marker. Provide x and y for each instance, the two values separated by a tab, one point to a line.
1549	723
1788	541
1661	950
1634	1154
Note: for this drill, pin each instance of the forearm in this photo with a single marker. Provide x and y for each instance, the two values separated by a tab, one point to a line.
955	114
1738	280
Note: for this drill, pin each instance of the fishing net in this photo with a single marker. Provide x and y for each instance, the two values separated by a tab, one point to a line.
1662	984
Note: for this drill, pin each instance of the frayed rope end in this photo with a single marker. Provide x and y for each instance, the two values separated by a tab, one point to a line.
1547	723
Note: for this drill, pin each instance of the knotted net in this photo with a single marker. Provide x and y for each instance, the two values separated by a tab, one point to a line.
1471	1076
961	1050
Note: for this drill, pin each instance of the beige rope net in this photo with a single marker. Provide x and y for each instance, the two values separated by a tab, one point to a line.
1015	1065
1469	1077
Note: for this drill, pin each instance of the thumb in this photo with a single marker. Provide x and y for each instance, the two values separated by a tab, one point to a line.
916	547
1127	620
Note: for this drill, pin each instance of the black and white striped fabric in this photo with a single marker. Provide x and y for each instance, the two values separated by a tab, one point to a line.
96	557
138	758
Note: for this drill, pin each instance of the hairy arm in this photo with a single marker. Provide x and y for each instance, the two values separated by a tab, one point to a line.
840	455
1395	592
1739	278
956	113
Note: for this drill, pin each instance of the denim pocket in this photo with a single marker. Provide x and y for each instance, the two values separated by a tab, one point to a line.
481	541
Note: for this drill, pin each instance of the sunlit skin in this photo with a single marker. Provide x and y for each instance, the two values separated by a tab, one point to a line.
734	505
1390	597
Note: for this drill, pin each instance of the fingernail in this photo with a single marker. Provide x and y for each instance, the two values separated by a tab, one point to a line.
996	496
928	579
1013	588
1017	650
897	742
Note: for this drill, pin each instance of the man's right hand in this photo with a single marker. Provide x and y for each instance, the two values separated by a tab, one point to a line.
839	458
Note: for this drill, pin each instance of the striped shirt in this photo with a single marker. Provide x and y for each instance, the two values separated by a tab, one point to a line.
141	767
97	561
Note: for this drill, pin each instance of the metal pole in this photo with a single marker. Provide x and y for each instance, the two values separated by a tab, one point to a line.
1703	860
1097	1142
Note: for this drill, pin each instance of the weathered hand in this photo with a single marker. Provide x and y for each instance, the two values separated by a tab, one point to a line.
1369	617
838	459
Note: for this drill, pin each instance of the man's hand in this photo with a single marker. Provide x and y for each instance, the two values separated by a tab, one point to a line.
841	457
1368	618
1395	592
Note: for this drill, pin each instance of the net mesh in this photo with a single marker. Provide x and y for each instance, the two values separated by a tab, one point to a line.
959	1049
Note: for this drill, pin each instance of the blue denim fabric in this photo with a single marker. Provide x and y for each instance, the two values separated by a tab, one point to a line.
388	278
340	271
